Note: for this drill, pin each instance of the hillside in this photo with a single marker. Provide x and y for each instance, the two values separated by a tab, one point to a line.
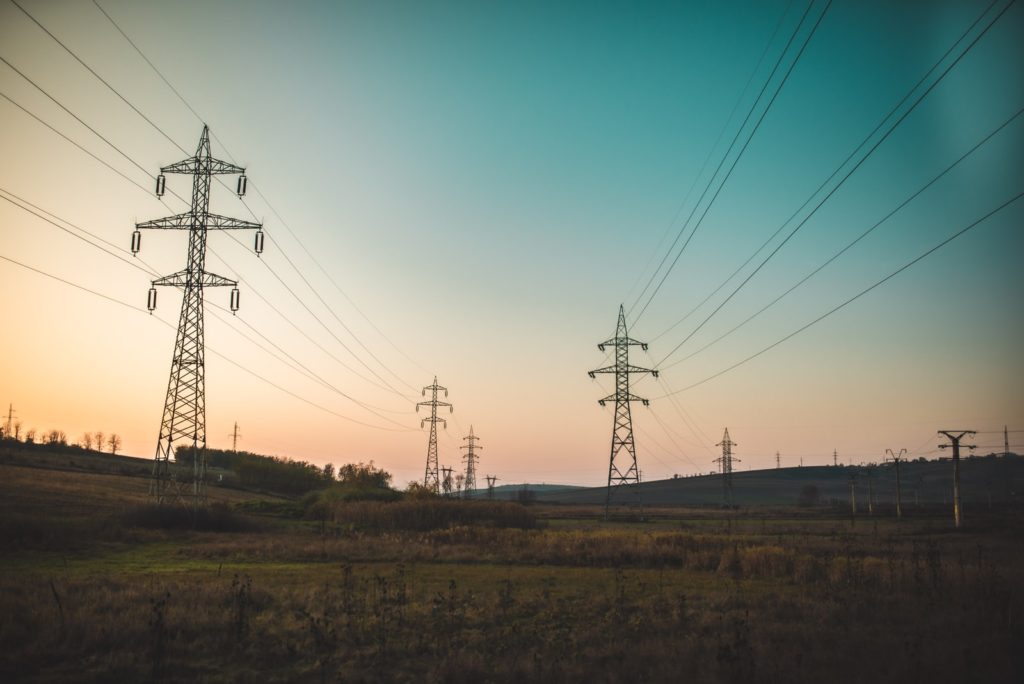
923	482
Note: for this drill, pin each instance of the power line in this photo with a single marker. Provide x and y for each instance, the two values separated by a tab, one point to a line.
856	296
743	149
100	78
707	159
68	282
211	349
850	156
83	149
856	166
291	232
860	237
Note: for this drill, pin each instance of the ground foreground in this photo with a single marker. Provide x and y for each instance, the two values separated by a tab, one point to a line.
92	591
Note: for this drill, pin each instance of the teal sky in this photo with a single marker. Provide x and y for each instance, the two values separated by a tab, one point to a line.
487	182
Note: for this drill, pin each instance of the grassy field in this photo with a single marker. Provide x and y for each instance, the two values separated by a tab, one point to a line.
92	590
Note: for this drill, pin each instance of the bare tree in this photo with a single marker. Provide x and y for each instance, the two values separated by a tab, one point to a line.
30	436
17	429
99	441
114	442
329	472
87	440
56	437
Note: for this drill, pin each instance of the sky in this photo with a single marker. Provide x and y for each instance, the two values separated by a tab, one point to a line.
471	190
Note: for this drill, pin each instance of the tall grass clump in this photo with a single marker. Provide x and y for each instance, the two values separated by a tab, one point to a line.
423	515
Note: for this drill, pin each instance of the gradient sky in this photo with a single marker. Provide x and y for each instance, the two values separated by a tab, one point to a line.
487	182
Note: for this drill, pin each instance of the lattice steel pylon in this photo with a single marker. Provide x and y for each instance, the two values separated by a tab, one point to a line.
726	460
430	478
622	428
470	457
184	416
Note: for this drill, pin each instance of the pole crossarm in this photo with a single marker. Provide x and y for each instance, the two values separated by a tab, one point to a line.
188	220
183	279
207	165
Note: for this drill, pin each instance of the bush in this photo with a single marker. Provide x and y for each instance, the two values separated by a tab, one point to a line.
423	515
215	518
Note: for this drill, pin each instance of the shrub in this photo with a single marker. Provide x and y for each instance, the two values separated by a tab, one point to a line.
215	518
422	515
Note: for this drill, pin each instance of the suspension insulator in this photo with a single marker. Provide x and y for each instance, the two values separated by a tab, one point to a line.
151	299
243	182
258	245
136	242
234	300
161	185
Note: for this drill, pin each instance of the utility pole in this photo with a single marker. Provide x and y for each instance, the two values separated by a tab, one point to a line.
9	425
446	481
896	458
622	429
234	438
491	479
184	416
1006	441
430	479
853	493
954	437
726	460
470	459
778	462
871	490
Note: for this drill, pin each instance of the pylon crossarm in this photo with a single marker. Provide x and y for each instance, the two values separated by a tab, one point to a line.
181	279
187	220
209	165
621	342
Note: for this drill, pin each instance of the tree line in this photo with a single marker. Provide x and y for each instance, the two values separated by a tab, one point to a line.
90	441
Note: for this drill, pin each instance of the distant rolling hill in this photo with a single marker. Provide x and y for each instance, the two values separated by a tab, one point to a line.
998	479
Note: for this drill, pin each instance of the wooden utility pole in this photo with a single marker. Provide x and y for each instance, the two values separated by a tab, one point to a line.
954	437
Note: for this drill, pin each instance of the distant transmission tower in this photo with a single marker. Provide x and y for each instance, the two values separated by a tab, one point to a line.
430	479
622	430
726	460
234	438
835	458
446	481
470	458
184	417
778	461
491	479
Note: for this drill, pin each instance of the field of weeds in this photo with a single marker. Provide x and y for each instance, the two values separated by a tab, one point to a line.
485	593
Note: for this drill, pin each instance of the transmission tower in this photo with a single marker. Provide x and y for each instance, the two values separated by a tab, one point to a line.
184	416
491	479
234	438
835	458
430	479
622	429
9	425
470	458
954	438
446	481
778	461
726	460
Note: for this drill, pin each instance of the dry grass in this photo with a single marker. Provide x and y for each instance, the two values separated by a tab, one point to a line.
700	599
